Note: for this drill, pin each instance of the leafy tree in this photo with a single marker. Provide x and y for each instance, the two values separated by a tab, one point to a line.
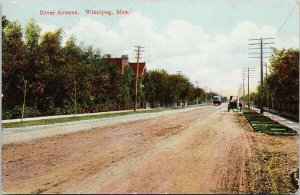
72	72
51	64
126	101
283	81
180	86
43	77
32	36
5	22
106	84
33	70
156	87
14	64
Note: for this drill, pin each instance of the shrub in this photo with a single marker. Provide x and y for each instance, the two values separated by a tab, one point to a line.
16	113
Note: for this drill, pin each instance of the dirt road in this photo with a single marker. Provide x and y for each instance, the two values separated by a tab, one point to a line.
204	150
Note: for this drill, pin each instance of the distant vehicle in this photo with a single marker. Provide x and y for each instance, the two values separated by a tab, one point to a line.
217	100
233	103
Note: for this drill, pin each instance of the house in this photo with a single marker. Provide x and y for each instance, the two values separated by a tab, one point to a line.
120	62
142	68
123	62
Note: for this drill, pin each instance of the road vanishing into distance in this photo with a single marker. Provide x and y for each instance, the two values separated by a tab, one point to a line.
203	149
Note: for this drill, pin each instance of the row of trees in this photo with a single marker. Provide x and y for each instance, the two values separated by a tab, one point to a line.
281	85
41	76
163	89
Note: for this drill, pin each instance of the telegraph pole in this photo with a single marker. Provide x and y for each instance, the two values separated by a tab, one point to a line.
261	106
197	82
261	43
250	72
266	65
137	76
243	86
248	92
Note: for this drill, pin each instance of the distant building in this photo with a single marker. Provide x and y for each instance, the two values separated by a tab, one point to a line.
142	68
120	62
123	62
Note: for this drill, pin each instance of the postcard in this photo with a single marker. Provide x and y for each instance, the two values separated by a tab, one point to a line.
143	96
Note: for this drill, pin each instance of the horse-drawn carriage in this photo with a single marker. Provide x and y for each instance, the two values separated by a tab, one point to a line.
234	103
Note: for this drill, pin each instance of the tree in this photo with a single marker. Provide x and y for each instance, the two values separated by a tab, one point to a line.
43	77
72	72
167	89
126	101
283	81
24	89
106	79
5	22
156	87
51	64
32	36
33	71
180	86
14	64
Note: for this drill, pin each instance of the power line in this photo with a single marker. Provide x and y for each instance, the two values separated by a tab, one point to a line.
138	56
286	19
262	41
197	82
250	72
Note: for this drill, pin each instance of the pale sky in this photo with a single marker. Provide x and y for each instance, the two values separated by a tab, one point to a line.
207	40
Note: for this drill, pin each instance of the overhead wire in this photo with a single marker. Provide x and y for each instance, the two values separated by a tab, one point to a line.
281	27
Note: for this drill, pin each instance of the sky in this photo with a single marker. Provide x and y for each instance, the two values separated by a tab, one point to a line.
207	40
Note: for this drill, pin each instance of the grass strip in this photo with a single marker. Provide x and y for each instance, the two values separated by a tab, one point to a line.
261	123
77	118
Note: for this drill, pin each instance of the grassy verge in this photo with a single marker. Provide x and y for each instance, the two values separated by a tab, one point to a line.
264	124
76	118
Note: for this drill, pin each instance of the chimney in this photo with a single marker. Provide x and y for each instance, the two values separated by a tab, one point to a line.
106	56
124	57
124	62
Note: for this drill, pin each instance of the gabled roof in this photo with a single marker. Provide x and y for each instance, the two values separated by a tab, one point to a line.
142	68
122	64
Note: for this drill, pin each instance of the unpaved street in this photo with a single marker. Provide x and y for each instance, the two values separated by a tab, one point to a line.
201	150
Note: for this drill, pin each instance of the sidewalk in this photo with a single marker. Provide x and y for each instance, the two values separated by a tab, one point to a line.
63	116
291	124
85	114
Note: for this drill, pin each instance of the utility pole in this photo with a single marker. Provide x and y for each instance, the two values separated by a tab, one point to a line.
248	92
197	82
243	86
261	43
261	106
179	72
267	90
250	72
138	50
